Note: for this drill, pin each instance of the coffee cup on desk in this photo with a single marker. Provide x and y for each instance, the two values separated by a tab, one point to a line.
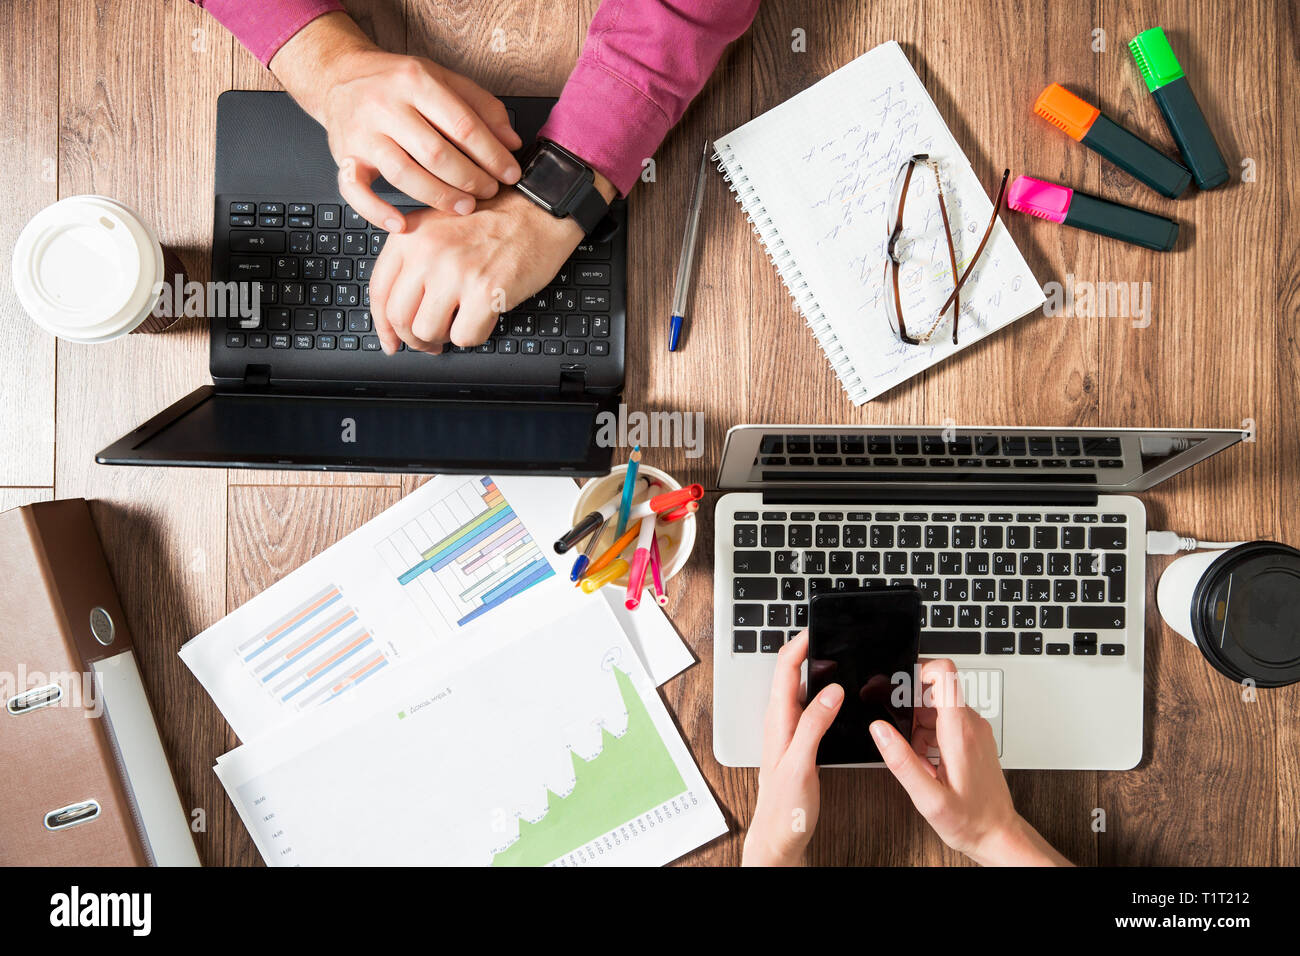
89	269
1241	607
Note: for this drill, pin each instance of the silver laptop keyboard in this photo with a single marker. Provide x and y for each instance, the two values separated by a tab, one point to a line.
992	582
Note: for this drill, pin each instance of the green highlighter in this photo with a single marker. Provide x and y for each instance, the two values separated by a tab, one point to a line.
1167	83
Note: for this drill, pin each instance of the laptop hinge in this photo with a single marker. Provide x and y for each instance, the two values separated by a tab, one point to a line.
257	375
573	383
944	496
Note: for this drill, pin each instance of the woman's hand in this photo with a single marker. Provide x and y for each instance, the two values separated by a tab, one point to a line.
965	798
433	134
789	793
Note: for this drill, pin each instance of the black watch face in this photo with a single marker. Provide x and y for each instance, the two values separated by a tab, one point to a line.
551	176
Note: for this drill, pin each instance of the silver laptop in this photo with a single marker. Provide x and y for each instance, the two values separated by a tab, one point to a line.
1026	544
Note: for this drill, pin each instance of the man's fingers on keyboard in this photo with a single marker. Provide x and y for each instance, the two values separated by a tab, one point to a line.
472	324
433	319
386	270
487	106
396	166
388	339
355	181
458	121
403	301
427	146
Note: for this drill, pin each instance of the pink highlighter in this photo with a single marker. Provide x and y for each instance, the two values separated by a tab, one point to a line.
1068	207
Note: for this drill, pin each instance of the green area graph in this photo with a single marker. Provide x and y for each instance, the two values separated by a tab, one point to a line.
630	775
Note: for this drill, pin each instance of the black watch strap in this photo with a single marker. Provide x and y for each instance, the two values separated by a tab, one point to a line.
589	208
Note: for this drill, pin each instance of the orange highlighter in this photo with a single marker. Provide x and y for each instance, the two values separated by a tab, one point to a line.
1101	134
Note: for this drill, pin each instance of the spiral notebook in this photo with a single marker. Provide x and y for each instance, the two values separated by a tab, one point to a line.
815	177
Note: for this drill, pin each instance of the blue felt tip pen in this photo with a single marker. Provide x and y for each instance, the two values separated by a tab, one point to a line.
584	559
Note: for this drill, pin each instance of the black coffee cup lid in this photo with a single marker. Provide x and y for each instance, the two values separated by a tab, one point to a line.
1246	613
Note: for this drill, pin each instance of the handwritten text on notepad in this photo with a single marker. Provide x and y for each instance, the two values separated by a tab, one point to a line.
817	176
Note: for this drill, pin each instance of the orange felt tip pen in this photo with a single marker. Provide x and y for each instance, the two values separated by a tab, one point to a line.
1082	121
613	551
594	582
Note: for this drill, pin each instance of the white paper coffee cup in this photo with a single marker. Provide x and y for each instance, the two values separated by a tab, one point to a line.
1241	608
89	269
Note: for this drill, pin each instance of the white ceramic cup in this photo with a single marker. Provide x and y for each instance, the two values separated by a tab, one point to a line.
89	269
676	538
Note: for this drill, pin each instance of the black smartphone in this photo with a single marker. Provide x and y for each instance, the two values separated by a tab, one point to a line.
867	642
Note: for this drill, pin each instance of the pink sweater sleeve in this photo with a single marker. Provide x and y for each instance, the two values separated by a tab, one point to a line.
264	27
643	63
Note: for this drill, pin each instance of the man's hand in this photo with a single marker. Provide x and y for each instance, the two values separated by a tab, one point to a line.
965	798
789	793
448	278
433	134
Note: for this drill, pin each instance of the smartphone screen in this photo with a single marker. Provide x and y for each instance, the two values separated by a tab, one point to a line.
867	642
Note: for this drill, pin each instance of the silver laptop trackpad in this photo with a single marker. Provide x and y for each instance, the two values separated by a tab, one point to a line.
981	689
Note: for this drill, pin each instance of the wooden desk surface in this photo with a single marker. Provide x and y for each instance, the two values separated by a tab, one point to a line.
119	99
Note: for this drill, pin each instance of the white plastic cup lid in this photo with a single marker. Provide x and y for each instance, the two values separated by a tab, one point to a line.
86	269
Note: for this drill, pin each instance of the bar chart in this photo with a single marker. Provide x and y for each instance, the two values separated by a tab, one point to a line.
313	653
465	555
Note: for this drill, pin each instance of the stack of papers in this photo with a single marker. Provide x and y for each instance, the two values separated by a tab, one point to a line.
433	690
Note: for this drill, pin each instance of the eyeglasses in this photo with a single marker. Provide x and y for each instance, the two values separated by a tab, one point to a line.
893	263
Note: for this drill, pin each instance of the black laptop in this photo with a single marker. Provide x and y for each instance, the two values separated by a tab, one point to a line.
304	384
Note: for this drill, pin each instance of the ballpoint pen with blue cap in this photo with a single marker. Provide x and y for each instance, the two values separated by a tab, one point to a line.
683	287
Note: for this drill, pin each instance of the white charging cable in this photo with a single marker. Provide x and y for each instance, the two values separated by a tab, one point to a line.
1170	542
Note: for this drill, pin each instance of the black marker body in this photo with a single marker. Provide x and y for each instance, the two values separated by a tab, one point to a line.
1192	133
1137	157
1121	222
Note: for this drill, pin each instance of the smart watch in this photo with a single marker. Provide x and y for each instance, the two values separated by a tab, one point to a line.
563	185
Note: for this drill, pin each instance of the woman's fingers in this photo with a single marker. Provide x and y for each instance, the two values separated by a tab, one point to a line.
783	707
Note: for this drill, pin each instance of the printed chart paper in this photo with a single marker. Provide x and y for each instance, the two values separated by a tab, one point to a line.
458	567
553	749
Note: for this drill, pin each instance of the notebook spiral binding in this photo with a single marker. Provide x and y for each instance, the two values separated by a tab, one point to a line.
788	270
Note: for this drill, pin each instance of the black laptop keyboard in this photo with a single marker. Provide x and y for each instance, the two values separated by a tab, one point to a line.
992	582
314	263
934	451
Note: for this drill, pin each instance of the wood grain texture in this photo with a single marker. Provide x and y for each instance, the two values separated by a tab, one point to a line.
17	497
1285	457
1194	365
29	89
123	96
136	123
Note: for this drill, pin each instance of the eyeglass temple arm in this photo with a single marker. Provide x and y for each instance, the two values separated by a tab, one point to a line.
997	205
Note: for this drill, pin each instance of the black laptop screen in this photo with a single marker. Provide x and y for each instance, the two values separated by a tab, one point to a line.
369	434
